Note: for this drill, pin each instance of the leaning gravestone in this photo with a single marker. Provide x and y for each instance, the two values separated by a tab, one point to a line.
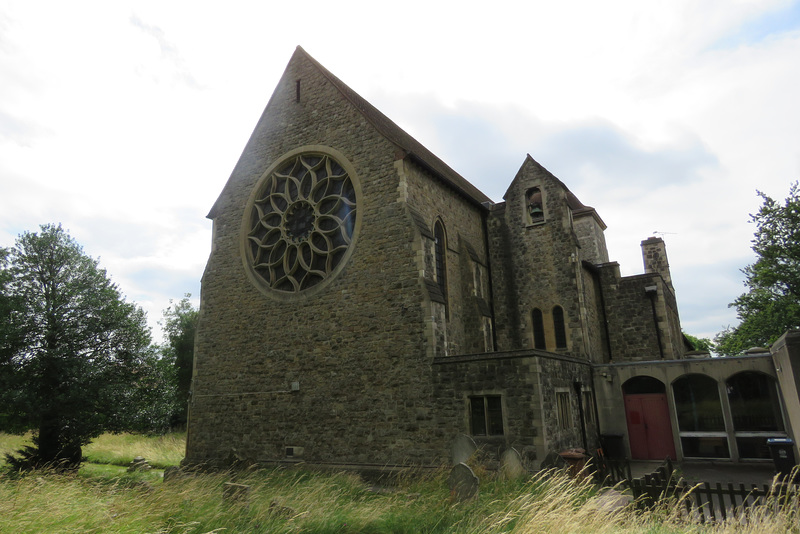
463	483
511	465
462	448
553	461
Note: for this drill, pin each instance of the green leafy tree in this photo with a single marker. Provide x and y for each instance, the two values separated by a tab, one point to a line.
73	349
772	304
180	325
700	343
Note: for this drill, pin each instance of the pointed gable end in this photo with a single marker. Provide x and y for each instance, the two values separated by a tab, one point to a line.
407	146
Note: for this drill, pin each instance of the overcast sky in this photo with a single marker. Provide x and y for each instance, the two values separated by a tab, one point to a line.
123	120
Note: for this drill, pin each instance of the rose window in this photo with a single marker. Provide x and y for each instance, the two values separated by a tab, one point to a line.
301	222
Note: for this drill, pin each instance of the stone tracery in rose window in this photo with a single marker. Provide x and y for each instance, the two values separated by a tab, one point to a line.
301	223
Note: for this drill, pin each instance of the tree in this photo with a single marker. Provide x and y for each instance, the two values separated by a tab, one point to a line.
700	343
180	325
772	304
74	349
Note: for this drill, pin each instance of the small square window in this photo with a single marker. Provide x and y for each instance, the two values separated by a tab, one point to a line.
486	415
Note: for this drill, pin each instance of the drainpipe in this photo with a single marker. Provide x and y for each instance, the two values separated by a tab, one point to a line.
484	220
652	292
594	407
577	386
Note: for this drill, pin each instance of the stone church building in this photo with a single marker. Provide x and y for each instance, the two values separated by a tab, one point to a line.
365	306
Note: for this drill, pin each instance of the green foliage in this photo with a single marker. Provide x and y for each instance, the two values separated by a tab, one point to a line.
180	325
772	304
77	359
700	343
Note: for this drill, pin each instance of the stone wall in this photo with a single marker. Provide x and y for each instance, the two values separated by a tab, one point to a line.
558	375
535	265
591	238
343	375
462	220
527	382
594	313
632	331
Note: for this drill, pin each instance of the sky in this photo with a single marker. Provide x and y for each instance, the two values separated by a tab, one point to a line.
123	120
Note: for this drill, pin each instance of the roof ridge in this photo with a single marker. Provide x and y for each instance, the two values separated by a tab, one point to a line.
394	133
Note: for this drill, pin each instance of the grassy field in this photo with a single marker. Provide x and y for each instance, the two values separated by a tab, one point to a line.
102	497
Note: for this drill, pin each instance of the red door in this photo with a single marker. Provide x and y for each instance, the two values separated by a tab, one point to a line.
649	428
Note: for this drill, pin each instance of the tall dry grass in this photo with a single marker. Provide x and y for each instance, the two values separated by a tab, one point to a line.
293	500
284	501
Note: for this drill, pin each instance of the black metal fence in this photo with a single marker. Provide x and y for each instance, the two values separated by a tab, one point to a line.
703	502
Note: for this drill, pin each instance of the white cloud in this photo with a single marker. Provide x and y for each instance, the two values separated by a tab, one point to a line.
123	120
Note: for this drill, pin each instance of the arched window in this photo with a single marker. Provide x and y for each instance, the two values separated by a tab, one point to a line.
440	251
558	327
538	330
643	385
700	418
756	412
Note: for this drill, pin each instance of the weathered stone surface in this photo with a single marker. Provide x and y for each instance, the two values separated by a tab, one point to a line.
464	485
511	465
463	448
380	365
139	464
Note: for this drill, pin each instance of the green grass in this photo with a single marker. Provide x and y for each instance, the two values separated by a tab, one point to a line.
121	449
105	498
117	449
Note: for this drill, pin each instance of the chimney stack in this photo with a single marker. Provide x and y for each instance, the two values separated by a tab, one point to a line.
654	254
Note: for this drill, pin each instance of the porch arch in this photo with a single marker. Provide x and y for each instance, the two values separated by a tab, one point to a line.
700	417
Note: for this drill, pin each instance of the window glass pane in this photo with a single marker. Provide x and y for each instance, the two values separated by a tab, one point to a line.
754	402
558	325
697	404
705	447
478	416
643	384
538	330
753	448
495	411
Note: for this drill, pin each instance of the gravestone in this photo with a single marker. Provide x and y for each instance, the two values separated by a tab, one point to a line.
553	461
511	465
463	483
462	449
